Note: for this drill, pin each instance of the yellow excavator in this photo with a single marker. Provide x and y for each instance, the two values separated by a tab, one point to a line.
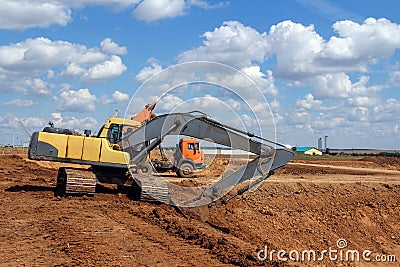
119	154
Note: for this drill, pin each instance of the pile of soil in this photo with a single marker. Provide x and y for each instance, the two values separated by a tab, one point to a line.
387	162
289	212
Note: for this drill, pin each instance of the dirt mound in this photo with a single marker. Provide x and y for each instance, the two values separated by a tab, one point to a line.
15	168
298	170
383	161
293	211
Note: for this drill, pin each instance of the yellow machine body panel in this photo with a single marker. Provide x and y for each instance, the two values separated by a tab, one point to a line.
108	154
75	147
58	141
91	149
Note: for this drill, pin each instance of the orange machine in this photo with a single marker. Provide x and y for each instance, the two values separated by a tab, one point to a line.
188	158
190	149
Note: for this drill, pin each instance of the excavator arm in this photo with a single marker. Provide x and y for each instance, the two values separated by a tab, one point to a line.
269	156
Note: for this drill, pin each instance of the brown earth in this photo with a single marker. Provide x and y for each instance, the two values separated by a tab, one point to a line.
308	205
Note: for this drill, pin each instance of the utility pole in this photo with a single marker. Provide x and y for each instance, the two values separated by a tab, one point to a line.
13	139
326	144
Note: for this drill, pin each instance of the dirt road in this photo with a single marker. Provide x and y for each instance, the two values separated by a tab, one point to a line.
303	207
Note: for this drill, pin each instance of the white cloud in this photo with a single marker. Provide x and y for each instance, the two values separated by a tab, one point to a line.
265	82
73	70
78	101
395	78
23	14
300	50
295	47
104	71
339	85
19	103
361	44
147	72
363	101
344	97
205	5
152	10
120	97
388	111
117	98
232	43
22	63
33	122
115	4
10	121
110	47
75	123
39	87
309	102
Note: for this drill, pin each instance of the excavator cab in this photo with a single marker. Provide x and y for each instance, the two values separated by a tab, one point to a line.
188	157
190	149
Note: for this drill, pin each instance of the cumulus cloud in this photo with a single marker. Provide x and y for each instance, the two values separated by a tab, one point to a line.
19	103
147	72
387	111
39	87
232	43
9	120
302	56
116	98
75	123
79	101
300	50
21	64
151	10
361	44
24	14
104	71
33	122
309	102
266	82
339	85
110	47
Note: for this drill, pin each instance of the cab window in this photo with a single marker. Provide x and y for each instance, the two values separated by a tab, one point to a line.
190	146
114	133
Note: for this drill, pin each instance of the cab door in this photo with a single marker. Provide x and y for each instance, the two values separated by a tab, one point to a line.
191	150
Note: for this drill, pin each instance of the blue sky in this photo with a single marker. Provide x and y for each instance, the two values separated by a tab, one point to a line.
325	67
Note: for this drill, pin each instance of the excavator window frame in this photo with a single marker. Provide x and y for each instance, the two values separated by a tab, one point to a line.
114	136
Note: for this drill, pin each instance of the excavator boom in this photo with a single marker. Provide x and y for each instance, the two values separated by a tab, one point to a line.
270	156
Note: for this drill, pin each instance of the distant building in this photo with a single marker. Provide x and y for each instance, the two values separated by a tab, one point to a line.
308	150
